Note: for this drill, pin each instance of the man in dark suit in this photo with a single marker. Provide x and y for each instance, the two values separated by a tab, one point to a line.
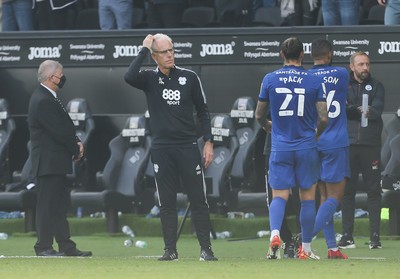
54	146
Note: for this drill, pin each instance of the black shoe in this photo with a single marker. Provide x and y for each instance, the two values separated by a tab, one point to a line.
390	183
78	253
297	241
50	253
347	242
375	243
289	250
169	255
207	254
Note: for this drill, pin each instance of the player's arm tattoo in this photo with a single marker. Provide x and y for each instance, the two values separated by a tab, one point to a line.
262	112
322	117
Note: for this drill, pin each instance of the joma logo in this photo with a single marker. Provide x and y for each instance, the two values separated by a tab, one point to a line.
44	52
389	47
124	51
216	49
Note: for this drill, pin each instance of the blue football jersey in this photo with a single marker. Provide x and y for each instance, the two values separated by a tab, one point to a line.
292	93
335	81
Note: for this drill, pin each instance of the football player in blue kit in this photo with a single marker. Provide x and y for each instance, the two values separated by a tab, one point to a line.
333	143
297	105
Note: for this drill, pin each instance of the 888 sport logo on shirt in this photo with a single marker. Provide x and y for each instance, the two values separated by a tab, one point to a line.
171	96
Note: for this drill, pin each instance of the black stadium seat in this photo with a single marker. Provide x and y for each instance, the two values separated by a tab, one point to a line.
22	198
247	131
123	176
217	175
267	16
80	113
376	16
7	130
198	17
88	19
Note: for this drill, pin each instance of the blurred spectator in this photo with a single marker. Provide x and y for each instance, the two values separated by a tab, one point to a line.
392	11
55	14
1	18
17	15
263	3
340	12
115	14
165	13
299	12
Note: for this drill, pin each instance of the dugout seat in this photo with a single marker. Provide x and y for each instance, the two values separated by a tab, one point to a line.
217	175
80	113
20	194
123	175
247	131
7	131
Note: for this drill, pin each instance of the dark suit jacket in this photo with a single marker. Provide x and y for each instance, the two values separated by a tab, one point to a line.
52	135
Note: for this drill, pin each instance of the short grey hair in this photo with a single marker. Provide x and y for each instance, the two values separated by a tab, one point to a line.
161	36
47	68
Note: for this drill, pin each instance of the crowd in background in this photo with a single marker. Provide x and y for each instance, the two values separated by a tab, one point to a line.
25	15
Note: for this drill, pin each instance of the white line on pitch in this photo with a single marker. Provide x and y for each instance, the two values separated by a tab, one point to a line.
367	258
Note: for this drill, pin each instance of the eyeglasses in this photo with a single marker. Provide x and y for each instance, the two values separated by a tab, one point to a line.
164	52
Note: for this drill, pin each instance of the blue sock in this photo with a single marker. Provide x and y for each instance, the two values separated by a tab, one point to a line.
276	212
307	220
324	214
329	233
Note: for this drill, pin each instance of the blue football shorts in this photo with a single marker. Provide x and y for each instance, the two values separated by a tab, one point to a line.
335	164
288	169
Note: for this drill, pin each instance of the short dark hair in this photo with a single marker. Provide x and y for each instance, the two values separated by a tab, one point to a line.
320	48
292	48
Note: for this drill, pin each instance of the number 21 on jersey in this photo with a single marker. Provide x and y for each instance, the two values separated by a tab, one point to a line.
284	109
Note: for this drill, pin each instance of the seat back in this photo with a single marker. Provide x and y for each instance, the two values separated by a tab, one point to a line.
124	171
138	18
80	113
7	130
198	17
234	13
376	16
247	131
267	16
226	146
25	177
88	19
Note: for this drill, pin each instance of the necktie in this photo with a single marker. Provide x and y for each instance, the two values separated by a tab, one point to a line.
59	102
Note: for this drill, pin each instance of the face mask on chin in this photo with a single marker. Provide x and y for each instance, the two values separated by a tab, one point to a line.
63	79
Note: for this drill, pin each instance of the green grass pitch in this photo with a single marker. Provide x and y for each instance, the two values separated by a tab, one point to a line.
238	259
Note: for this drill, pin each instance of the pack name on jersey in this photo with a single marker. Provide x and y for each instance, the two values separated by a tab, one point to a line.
287	79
